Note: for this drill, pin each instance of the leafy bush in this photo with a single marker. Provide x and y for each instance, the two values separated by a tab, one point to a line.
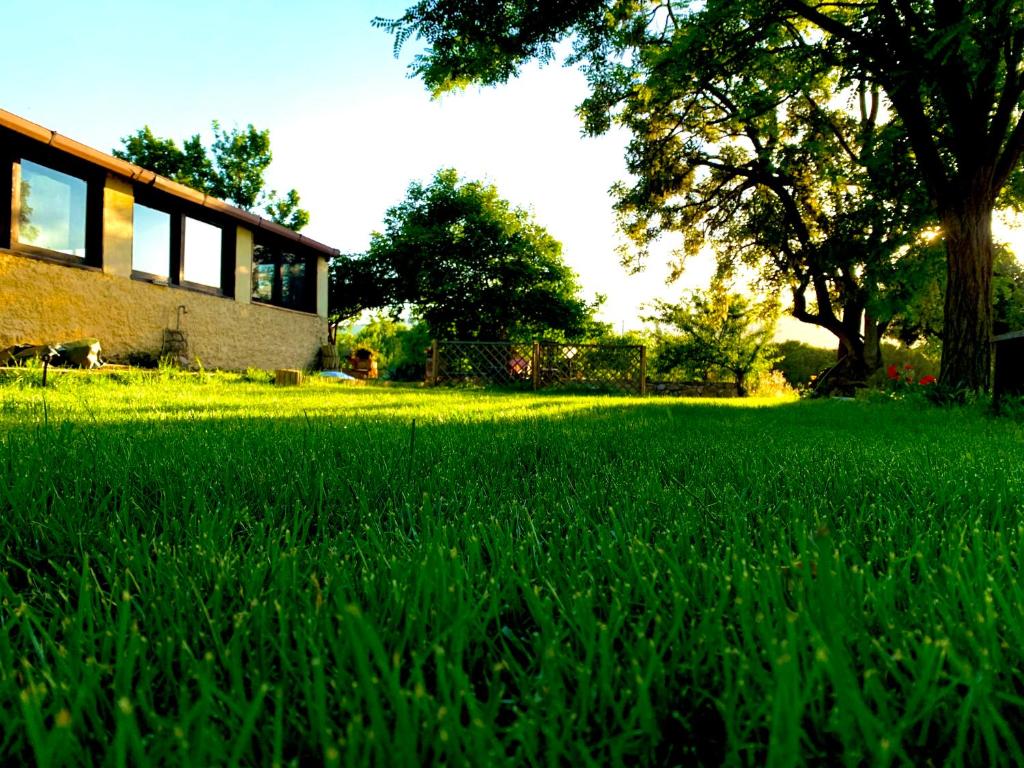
393	343
799	363
924	358
771	384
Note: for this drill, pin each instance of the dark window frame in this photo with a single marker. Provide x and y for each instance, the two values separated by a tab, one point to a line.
173	246
6	190
18	149
279	246
179	210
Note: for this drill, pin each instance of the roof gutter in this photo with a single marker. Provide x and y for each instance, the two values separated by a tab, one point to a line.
140	175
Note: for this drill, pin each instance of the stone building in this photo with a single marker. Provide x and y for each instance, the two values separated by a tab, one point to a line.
93	246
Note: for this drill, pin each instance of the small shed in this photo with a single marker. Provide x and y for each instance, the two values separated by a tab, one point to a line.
1009	376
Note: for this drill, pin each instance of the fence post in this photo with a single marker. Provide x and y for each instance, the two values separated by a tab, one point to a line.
433	362
535	367
643	371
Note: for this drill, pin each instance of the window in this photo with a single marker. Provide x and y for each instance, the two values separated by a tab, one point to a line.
50	210
293	280
181	243
53	203
202	257
283	275
151	241
262	275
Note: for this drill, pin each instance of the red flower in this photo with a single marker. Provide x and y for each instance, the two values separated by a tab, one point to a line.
908	367
891	372
926	380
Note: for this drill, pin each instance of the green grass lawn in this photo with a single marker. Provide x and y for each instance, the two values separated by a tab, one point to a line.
227	573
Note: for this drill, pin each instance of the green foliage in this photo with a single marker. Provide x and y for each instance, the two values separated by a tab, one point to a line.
399	348
770	383
731	104
603	334
240	159
469	265
356	283
486	41
922	317
922	358
231	170
799	363
716	334
29	232
742	144
286	210
1008	293
190	165
754	153
232	574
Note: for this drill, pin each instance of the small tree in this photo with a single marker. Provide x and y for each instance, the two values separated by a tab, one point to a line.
232	169
717	332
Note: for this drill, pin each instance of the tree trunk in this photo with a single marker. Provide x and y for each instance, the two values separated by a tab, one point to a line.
851	362
967	325
872	343
741	383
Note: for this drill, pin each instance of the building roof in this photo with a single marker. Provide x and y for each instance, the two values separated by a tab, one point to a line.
140	175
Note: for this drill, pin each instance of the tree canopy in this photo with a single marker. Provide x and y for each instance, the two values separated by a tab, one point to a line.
816	197
468	263
950	74
232	169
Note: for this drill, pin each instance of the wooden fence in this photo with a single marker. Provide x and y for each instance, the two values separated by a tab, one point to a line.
541	365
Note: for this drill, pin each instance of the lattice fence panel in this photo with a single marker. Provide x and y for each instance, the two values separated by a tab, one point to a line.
592	366
484	362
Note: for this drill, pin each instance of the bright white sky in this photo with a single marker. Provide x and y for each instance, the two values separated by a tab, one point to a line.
349	130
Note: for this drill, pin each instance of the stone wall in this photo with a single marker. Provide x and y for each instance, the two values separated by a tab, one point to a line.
46	302
692	388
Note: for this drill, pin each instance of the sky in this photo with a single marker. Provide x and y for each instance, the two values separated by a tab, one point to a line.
349	130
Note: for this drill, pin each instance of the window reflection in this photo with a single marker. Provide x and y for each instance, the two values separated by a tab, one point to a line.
52	210
293	281
281	277
262	274
151	241
202	253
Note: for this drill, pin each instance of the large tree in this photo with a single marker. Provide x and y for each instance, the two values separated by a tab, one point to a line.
950	69
818	197
232	169
468	263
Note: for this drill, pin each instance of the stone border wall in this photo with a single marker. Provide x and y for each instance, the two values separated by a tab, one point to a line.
43	302
692	388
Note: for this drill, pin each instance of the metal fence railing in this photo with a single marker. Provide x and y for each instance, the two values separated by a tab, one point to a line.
542	365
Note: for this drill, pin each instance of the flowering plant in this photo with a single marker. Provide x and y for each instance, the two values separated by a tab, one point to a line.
906	378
